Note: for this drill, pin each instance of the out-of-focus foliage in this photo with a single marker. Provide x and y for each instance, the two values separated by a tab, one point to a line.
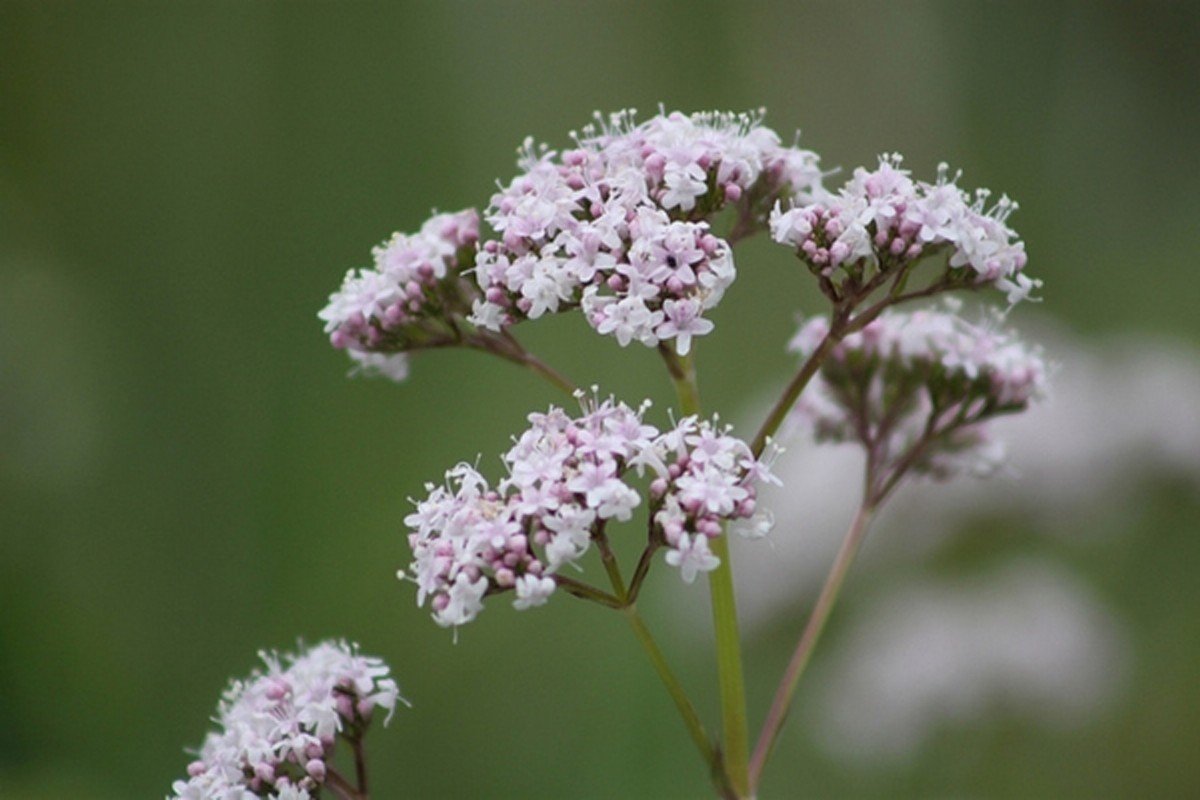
185	476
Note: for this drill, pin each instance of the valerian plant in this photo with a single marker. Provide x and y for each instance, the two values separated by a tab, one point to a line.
634	228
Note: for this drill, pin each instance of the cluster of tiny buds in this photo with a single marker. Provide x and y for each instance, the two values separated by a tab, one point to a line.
711	479
928	376
883	219
279	728
406	298
567	479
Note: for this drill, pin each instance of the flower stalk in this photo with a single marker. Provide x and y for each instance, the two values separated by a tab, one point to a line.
781	704
731	680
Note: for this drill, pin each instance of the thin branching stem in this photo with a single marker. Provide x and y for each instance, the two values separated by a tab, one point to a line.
340	786
812	632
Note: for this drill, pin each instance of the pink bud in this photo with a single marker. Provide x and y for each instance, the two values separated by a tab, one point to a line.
365	708
277	689
394	314
345	706
316	769
733	192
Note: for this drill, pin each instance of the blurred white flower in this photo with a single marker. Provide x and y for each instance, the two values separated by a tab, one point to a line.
1117	412
1025	639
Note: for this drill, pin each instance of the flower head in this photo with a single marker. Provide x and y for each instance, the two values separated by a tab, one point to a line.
881	221
619	225
917	388
279	727
568	479
409	298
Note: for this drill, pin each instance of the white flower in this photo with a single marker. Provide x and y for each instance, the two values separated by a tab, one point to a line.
393	366
487	315
572	528
684	185
616	501
683	321
691	555
756	527
465	601
533	591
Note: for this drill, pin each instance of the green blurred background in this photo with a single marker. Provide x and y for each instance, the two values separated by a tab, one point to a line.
186	476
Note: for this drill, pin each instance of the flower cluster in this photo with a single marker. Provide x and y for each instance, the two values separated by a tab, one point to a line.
916	389
619	224
408	298
711	477
883	220
280	726
567	478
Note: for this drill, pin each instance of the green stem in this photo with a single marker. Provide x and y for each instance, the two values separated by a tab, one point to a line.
506	346
734	719
587	592
808	640
787	400
686	710
609	560
556	378
340	786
